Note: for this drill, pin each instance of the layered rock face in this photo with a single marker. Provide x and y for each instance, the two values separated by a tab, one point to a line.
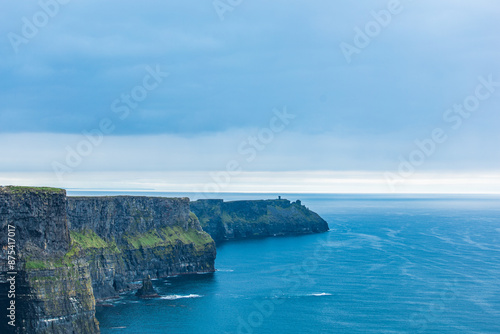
127	238
62	265
253	219
53	291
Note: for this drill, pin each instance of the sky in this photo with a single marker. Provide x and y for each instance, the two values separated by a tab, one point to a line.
251	96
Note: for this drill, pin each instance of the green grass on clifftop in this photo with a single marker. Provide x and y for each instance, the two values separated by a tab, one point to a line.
22	190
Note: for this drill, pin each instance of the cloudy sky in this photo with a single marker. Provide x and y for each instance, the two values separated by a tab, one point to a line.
264	96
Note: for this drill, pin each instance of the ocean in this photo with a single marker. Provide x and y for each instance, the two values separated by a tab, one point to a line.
390	264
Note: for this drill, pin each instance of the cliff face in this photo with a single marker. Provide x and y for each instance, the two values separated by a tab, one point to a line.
126	238
53	292
62	265
253	219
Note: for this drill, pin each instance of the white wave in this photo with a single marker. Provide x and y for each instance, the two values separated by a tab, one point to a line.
174	297
320	294
54	319
225	270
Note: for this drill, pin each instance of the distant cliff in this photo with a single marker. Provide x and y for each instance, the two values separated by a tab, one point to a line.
53	292
127	238
253	219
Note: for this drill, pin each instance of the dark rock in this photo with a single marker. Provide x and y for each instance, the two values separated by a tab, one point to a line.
40	219
147	290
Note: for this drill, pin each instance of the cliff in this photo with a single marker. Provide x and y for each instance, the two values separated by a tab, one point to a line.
67	251
127	238
254	219
49	288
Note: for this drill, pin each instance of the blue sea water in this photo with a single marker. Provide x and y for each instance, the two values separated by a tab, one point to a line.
412	264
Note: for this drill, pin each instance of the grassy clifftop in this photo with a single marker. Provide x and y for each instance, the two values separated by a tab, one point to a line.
27	190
